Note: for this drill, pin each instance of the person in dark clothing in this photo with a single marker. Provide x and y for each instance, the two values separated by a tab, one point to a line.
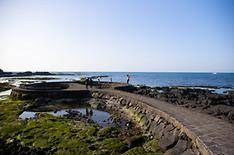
91	82
87	83
99	80
128	78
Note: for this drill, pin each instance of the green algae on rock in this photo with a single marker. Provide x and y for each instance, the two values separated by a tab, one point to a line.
57	135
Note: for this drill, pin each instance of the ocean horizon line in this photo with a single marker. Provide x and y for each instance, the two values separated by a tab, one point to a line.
199	72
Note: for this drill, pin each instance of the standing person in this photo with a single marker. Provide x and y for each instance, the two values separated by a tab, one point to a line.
91	83
111	79
87	82
128	78
87	111
99	80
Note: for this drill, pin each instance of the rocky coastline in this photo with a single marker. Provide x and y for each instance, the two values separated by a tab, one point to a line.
5	86
27	73
201	100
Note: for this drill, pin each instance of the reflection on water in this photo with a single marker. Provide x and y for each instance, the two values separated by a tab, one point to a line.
223	91
4	94
27	114
102	118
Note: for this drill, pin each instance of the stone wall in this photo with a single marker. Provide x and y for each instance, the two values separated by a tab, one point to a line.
173	137
54	94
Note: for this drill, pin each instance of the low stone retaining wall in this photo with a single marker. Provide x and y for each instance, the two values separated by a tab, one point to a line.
54	94
173	137
45	86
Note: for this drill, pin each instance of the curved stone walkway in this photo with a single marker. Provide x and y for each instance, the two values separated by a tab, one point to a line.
215	134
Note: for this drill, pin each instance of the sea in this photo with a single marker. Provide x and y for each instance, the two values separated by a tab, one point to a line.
155	79
220	83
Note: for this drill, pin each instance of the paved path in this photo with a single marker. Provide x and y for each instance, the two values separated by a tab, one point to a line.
217	134
76	86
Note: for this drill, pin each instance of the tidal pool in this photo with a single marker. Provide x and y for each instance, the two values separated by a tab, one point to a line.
221	90
102	118
4	94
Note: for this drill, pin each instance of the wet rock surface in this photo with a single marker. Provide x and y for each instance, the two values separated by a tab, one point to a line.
169	139
202	100
5	86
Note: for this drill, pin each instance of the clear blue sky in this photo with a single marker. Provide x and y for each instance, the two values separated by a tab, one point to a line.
117	35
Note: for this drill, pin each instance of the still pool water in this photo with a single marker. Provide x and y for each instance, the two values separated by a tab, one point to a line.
102	118
4	94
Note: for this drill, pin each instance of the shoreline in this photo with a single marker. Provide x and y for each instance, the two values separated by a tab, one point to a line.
201	100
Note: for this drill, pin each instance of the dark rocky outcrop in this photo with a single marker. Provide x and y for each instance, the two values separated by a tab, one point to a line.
43	73
27	73
128	88
135	141
2	73
202	100
169	138
16	148
179	148
5	86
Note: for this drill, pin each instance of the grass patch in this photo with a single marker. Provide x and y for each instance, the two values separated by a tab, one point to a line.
63	136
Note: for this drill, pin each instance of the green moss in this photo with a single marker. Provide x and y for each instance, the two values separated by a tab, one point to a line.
108	132
152	146
63	136
9	123
137	140
138	117
136	151
111	146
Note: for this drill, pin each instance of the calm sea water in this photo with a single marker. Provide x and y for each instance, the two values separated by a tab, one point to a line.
164	79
